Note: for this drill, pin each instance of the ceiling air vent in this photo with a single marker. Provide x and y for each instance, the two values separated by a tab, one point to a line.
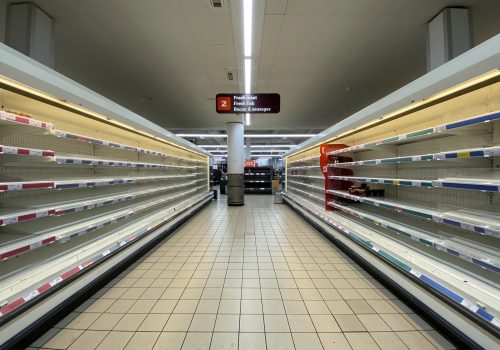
216	3
231	75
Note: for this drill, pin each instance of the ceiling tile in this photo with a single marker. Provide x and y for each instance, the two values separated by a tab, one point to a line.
338	6
275	7
211	29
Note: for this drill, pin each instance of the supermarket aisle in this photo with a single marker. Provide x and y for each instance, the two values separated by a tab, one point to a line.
251	277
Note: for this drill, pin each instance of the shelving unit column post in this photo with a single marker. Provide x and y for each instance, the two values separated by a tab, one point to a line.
235	163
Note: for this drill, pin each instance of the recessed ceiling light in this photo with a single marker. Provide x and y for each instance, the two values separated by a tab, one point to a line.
231	75
251	135
247	27
248	75
216	3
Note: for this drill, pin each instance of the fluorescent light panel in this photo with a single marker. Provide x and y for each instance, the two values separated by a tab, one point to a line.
272	146
278	135
249	135
255	156
266	156
253	146
257	151
247	26
248	75
247	119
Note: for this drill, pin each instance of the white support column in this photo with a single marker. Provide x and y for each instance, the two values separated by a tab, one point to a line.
235	163
29	30
449	35
248	149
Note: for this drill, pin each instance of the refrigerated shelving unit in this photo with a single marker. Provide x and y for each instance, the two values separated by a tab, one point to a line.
84	185
432	149
258	179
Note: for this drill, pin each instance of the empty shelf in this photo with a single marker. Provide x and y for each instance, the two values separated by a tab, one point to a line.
469	153
488	185
466	250
8	118
438	131
483	222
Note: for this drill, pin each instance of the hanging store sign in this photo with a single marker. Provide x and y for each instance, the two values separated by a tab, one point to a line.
250	163
247	103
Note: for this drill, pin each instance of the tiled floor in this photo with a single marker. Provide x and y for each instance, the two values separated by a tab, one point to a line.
251	277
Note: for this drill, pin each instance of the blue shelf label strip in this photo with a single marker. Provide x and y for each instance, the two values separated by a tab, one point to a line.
467	122
470	306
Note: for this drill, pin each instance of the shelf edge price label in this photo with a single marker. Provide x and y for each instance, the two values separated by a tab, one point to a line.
235	103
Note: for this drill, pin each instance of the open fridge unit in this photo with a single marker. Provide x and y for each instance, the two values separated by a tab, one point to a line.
416	186
258	179
79	187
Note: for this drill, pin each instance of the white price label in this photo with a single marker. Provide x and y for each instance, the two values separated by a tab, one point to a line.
440	247
56	281
9	220
9	150
467	226
36	245
437	218
469	305
415	273
15	187
42	214
31	295
466	257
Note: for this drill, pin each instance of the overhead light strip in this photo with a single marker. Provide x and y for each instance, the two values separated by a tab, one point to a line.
256	151
266	156
255	156
247	27
247	48
250	135
253	146
248	75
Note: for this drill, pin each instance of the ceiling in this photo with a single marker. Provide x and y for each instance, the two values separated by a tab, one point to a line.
166	59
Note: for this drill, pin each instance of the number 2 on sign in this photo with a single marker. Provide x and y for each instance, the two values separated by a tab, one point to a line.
224	103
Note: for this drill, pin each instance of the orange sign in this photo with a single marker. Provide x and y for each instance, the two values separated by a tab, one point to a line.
224	103
250	163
